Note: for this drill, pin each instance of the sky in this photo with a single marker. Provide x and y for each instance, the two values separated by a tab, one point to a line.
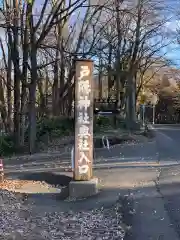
172	51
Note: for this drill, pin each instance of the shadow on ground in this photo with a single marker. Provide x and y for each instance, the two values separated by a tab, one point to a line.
48	177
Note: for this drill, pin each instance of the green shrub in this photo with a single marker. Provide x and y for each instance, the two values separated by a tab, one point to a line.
103	121
7	146
55	127
121	123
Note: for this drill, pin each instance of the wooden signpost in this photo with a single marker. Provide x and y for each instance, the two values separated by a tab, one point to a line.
83	120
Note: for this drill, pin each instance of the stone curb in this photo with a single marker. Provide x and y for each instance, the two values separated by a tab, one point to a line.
54	155
129	144
35	157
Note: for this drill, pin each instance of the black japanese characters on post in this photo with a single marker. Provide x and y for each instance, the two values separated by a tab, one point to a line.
83	120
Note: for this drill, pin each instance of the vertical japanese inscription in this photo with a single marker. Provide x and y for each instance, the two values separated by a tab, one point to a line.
83	120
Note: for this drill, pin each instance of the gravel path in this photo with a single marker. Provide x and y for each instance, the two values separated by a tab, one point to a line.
19	220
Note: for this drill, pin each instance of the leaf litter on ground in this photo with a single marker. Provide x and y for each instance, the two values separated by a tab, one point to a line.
20	220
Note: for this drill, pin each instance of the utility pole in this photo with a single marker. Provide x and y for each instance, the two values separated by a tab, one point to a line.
154	102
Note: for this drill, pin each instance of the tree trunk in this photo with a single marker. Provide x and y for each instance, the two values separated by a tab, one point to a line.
9	89
131	104
100	73
118	56
42	101
32	100
24	98
109	70
16	96
17	73
62	78
131	93
55	89
3	107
